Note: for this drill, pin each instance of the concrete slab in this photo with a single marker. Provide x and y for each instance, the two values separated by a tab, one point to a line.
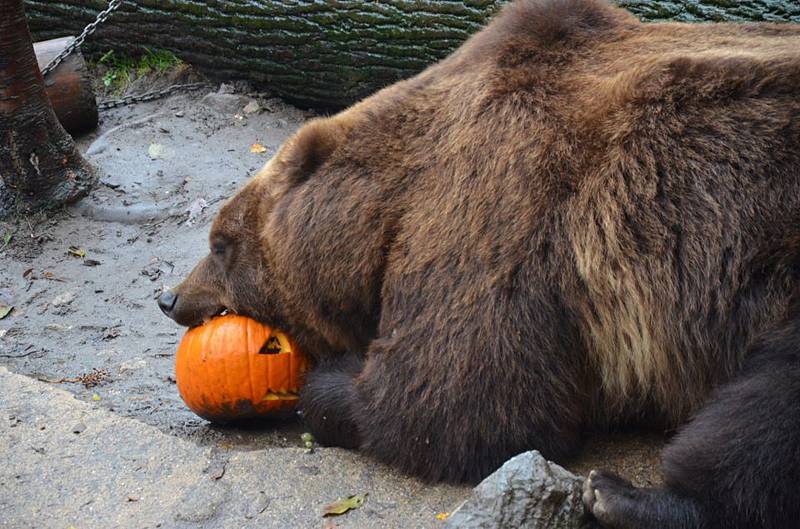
69	463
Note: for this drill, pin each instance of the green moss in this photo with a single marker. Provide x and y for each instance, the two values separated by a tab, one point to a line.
122	68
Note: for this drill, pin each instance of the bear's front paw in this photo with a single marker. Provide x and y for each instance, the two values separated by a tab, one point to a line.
610	499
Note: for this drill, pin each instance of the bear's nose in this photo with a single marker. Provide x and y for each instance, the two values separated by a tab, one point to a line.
166	301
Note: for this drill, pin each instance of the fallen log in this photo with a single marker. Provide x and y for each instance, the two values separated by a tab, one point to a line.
327	53
69	86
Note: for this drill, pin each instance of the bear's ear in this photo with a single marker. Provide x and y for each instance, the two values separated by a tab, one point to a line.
311	147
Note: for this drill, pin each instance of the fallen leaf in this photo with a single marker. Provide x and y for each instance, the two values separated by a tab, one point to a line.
257	148
443	516
91	262
5	310
95	397
7	238
195	210
133	498
77	252
155	151
343	505
50	276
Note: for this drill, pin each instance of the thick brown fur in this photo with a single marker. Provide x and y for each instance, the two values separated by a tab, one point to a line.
576	220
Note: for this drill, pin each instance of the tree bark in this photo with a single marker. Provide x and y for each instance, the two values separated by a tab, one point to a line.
39	165
329	53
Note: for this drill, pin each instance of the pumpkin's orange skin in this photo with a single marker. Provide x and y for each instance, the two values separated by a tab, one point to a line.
222	375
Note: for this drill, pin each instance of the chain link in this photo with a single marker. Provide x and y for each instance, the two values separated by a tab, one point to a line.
149	96
88	30
127	100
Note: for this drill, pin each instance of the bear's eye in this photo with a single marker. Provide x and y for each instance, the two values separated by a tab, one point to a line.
218	248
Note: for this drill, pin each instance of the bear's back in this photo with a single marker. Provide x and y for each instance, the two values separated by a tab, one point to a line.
658	163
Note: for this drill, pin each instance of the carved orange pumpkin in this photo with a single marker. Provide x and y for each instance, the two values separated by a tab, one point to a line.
234	367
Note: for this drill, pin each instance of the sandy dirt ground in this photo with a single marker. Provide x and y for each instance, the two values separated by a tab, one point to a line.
83	280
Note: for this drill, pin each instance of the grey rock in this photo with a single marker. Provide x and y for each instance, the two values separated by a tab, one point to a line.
61	303
132	365
226	88
224	103
252	107
527	492
64	299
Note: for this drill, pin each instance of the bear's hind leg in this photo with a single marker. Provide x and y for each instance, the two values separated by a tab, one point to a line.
735	466
617	504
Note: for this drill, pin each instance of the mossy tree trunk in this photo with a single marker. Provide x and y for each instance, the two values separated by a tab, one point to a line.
39	165
328	53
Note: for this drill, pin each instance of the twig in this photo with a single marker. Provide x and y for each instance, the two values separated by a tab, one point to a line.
23	355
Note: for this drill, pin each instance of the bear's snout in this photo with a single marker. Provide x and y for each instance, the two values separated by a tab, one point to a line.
166	302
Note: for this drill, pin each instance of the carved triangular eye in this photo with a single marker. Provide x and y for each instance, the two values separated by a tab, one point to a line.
271	347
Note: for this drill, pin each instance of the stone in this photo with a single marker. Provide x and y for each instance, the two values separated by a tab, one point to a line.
227	104
63	299
132	365
252	107
527	492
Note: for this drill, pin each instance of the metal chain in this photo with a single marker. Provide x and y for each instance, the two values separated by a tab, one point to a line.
149	96
127	100
88	30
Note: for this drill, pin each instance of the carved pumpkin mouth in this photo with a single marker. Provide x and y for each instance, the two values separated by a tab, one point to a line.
282	395
272	346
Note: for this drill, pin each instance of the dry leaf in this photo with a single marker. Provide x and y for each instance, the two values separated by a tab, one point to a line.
343	505
257	148
77	252
95	397
443	516
5	310
155	151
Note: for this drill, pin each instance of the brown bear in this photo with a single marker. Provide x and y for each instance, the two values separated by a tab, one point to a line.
575	221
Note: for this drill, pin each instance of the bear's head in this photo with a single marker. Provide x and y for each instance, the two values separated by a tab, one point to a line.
276	248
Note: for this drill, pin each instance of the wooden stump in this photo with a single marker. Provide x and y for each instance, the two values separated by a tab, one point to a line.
69	86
